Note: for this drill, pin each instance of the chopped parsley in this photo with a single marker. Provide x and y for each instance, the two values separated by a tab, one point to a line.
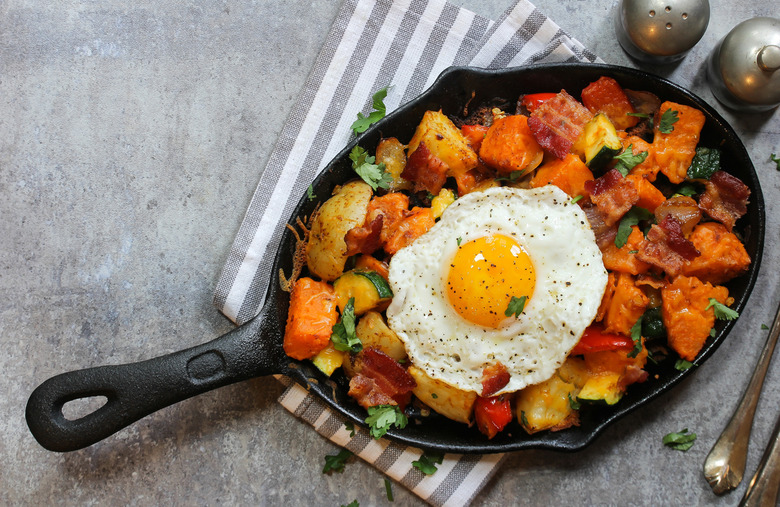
363	122
627	160
636	335
764	326
459	240
687	189
705	163
576	199
639	115
310	193
682	365
389	489
350	427
427	462
434	396
353	503
722	312
680	441
364	166
668	119
574	404
335	462
524	419
774	158
344	337
381	417
633	217
515	306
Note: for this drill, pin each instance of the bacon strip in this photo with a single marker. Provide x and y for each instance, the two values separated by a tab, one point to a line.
666	247
558	122
381	381
605	234
425	170
725	198
613	194
382	217
365	239
494	378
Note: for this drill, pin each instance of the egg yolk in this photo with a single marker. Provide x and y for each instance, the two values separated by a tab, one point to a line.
485	274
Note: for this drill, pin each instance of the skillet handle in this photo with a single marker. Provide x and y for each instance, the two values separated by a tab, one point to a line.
136	390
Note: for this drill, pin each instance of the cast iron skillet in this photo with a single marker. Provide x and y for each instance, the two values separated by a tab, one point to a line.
255	349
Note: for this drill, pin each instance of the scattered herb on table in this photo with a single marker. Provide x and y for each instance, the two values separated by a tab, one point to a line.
335	462
680	441
389	489
350	427
774	158
363	122
427	462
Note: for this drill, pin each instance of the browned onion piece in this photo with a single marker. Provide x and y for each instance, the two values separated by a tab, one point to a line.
682	208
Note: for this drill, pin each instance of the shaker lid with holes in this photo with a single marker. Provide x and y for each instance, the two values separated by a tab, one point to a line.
660	31
744	69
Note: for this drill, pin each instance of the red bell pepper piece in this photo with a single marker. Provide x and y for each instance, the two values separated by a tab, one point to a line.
492	414
534	100
474	134
594	339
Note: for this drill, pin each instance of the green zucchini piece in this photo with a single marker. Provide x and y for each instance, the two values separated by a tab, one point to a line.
382	287
598	143
604	388
368	288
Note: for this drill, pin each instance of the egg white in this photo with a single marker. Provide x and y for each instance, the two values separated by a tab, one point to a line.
570	281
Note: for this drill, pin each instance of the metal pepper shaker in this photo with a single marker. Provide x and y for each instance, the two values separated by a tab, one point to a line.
744	68
660	31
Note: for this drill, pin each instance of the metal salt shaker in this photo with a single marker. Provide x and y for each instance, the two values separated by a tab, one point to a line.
660	31
744	68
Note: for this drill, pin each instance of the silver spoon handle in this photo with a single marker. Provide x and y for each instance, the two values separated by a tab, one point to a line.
765	486
725	464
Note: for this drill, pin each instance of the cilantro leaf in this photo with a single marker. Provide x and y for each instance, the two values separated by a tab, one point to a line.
774	158
310	193
381	417
353	503
680	441
363	122
459	240
722	312
335	462
513	176
687	189
639	115
704	163
574	404
668	119
633	217
515	306
344	337
636	335
627	160
427	462
373	174
682	365
524	419
576	199
764	326
389	489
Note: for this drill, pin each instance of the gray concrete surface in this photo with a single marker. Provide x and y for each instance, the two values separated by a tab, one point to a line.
131	138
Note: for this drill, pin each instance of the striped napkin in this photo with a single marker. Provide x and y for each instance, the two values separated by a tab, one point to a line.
403	44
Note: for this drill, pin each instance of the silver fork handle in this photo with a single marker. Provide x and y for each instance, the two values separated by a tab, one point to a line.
764	488
725	464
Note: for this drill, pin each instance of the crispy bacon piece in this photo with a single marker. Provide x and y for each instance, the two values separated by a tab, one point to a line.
558	122
633	375
605	234
425	170
725	198
666	247
365	239
381	381
613	194
494	378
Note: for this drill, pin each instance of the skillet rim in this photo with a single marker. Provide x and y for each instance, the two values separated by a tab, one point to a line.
467	440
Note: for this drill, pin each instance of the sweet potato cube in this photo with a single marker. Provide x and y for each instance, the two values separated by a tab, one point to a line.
674	151
310	318
569	174
625	304
723	256
624	259
509	146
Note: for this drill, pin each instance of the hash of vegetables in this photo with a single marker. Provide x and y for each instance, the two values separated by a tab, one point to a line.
661	208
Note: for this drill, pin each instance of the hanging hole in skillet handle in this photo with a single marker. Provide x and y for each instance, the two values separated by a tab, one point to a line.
133	391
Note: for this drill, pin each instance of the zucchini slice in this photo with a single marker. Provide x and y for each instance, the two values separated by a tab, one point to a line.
598	143
368	288
602	389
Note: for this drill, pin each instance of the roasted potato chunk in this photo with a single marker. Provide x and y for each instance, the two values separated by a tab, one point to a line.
373	332
445	142
326	252
445	399
546	406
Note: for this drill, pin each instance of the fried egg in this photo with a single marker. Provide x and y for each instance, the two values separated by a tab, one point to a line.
453	287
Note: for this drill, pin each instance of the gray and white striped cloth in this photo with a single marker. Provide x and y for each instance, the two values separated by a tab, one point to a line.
403	44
